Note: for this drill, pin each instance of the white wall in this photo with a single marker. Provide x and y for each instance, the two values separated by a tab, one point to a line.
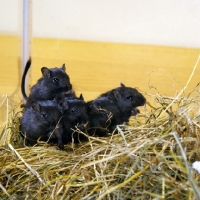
159	22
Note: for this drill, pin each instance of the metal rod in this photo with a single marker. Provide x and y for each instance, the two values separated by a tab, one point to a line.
27	38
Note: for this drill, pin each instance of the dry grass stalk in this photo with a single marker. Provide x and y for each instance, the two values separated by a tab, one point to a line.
150	158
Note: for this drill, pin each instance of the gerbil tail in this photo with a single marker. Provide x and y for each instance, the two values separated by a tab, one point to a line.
28	65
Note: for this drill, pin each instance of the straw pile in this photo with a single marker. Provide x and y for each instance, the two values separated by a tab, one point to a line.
150	158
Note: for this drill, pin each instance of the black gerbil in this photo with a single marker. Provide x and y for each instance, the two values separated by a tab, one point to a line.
53	82
74	115
112	108
40	120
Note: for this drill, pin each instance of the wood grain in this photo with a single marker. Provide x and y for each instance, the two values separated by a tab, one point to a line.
95	67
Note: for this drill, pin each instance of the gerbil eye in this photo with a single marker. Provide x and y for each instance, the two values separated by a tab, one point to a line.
44	115
129	97
55	80
73	110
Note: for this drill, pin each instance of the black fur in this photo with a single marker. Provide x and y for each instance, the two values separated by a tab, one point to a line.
53	82
39	120
113	108
74	115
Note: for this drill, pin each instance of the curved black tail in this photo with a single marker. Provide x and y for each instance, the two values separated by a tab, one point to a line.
28	64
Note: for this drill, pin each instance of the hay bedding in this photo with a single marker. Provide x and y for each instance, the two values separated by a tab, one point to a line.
150	158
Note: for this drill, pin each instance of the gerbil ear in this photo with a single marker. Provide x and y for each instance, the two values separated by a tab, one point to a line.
63	67
81	97
55	100
110	95
45	72
92	106
122	85
117	95
36	107
64	105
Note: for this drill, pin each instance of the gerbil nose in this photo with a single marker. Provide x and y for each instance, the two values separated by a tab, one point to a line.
82	125
68	87
141	100
134	112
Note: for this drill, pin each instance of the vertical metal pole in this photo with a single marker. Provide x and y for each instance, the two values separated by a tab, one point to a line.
27	38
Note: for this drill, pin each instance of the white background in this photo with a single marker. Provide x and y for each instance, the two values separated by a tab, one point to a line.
158	22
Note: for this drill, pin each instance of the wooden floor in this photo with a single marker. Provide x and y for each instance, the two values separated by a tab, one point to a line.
95	67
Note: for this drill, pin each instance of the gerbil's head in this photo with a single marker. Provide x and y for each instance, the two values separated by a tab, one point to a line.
127	99
45	115
57	79
40	120
75	111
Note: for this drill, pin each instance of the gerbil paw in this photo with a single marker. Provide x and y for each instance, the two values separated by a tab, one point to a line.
135	111
61	145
